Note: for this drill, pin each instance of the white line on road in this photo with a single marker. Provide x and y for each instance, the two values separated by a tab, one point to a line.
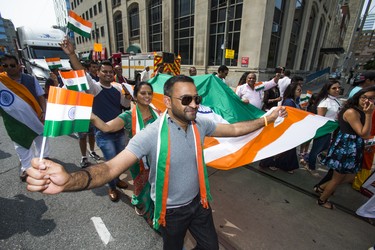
102	230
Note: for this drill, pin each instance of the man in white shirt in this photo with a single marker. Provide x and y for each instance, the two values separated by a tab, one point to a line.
144	74
284	82
253	92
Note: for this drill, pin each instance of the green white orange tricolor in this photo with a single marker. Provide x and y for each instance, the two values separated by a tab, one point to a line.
20	112
79	25
68	111
54	63
228	153
74	79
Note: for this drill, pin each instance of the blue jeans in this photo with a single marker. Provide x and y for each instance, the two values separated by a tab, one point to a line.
110	144
319	144
194	217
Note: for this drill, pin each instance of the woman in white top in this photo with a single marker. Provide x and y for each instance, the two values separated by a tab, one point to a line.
328	106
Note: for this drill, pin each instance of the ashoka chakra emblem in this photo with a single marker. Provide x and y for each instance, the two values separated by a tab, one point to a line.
6	98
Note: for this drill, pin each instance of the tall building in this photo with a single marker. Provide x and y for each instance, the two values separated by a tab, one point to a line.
7	37
370	22
303	35
62	8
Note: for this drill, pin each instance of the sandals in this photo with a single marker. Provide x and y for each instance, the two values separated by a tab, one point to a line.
318	189
325	204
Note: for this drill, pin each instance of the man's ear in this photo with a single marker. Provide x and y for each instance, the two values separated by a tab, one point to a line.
167	101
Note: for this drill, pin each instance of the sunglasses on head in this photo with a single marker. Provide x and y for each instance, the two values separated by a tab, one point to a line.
187	99
10	65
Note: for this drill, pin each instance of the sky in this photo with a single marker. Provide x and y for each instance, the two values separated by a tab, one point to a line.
372	7
31	13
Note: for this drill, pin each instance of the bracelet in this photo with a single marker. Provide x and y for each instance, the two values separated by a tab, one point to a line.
89	178
265	121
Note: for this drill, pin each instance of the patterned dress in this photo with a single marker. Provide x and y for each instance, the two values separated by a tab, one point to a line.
140	171
346	152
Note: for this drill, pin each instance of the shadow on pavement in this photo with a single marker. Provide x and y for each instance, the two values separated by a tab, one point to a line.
13	214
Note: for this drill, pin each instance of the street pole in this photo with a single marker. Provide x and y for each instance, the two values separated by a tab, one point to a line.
226	30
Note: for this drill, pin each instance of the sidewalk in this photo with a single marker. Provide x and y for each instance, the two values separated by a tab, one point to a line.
257	208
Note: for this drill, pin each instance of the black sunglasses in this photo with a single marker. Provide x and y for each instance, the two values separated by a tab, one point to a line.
10	65
187	99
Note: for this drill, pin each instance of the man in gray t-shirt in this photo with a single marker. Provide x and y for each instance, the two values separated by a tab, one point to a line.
184	210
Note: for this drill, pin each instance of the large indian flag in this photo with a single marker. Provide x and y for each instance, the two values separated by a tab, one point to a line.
74	79
222	105
54	63
79	25
20	112
68	111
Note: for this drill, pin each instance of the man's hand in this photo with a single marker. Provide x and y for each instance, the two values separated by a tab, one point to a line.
67	46
279	111
46	176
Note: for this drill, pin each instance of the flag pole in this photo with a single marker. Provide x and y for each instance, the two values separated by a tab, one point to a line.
43	146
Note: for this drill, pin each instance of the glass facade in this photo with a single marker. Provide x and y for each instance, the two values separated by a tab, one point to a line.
308	39
294	36
217	31
134	22
119	38
184	30
278	17
155	37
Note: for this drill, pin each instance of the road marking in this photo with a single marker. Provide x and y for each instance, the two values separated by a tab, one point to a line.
102	230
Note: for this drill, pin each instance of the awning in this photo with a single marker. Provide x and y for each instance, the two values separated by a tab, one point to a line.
338	50
134	48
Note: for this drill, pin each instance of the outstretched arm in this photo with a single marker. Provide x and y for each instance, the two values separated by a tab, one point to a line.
243	128
51	178
110	126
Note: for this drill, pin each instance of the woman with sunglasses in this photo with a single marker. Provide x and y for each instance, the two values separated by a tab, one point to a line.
133	121
346	151
328	106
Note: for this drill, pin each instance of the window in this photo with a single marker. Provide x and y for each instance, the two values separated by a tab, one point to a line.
294	36
102	31
308	38
217	31
87	15
276	33
72	5
119	38
116	3
155	25
83	16
90	12
100	7
184	30
95	10
134	22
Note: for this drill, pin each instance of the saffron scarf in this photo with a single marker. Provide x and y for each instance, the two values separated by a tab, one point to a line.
162	171
138	125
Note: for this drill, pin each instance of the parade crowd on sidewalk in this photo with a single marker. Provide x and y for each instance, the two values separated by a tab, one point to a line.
171	189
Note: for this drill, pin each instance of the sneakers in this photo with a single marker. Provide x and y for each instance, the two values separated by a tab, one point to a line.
84	162
95	156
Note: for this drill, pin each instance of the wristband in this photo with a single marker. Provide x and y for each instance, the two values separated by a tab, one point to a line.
265	121
89	178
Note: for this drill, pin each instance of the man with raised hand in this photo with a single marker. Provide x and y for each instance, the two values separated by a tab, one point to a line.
178	174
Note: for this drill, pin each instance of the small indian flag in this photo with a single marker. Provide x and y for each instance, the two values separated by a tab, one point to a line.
79	25
67	112
309	94
258	86
54	63
304	101
74	79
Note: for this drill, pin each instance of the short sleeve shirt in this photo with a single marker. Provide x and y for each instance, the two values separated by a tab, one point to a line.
183	181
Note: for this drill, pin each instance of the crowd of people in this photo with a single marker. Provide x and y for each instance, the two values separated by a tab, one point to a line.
171	189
